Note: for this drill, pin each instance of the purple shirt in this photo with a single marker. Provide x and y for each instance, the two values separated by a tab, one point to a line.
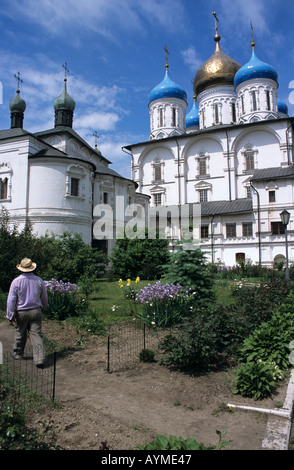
27	291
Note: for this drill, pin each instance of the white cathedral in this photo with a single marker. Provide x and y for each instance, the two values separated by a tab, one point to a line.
57	182
232	155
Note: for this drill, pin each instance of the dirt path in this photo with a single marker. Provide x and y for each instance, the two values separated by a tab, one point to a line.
129	408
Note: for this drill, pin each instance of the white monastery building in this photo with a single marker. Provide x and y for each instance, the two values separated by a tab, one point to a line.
57	182
231	155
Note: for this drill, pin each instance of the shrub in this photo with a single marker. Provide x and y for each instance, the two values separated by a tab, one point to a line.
15	435
245	269
260	301
213	335
138	257
190	348
255	380
270	342
146	355
64	256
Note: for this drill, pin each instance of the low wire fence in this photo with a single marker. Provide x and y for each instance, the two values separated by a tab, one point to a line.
25	385
126	341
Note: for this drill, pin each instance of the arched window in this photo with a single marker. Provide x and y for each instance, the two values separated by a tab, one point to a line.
160	117
157	167
75	181
216	114
173	117
3	188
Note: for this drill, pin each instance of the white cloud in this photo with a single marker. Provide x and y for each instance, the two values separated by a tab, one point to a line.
191	58
97	121
239	13
105	17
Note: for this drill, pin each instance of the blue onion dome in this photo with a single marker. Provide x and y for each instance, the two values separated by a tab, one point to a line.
64	100
17	104
167	89
192	118
255	68
282	107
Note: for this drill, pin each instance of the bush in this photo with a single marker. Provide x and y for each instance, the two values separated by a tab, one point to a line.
255	380
146	355
270	342
191	348
209	339
260	301
245	269
138	257
64	257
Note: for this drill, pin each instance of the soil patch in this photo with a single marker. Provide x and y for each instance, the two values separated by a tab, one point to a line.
130	407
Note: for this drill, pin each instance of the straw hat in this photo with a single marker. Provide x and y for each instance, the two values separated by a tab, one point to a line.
26	265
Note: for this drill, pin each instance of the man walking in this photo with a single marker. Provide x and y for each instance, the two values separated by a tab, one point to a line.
25	303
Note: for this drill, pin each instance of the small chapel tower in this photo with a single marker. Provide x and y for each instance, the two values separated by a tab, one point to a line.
64	105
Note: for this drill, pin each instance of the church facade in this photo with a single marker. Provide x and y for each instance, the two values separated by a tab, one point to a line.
57	182
231	157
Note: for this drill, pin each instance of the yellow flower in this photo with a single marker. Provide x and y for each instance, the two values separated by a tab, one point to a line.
128	282
137	280
120	283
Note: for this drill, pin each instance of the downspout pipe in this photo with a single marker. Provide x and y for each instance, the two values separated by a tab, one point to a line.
287	141
259	225
179	179
211	229
228	166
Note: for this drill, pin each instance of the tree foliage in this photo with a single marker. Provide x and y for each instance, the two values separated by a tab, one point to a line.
63	257
139	257
189	269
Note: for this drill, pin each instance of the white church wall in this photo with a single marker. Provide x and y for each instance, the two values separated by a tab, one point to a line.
52	207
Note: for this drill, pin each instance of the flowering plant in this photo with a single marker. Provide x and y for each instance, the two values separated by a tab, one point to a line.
165	305
65	300
63	288
130	292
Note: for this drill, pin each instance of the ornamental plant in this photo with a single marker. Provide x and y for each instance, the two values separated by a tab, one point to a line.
255	380
65	300
189	269
165	305
270	342
178	443
130	291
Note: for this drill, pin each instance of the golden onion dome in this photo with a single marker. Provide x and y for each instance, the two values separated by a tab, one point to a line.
219	69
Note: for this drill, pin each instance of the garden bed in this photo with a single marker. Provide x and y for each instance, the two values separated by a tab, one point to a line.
130	407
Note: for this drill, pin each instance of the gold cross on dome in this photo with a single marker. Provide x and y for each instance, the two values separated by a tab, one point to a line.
166	55
216	21
252	34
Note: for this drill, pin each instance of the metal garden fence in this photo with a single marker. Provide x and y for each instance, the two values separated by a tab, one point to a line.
126	341
23	384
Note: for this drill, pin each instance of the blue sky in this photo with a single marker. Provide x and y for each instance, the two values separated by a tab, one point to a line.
114	52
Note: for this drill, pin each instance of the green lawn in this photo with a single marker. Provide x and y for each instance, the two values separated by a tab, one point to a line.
110	302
